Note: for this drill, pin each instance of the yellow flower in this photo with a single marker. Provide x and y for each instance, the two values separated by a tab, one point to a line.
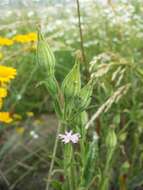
25	38
1	103
5	42
1	55
32	36
20	38
3	92
5	117
7	73
30	114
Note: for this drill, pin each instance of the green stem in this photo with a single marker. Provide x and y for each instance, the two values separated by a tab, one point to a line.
53	157
68	158
81	37
106	172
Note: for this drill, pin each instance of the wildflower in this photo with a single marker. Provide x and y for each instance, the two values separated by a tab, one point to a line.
7	73
32	36
5	42
34	134
20	38
3	92
1	103
30	114
1	55
5	117
25	38
69	137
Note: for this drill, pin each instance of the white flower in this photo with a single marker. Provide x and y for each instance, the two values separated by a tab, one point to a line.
34	134
69	137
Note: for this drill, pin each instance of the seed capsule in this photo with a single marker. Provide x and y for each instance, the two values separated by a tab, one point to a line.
52	86
111	139
45	56
72	84
85	95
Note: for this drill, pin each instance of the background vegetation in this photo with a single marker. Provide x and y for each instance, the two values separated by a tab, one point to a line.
113	45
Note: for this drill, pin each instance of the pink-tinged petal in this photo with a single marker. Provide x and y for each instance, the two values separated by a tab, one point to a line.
61	136
69	137
66	140
68	133
75	138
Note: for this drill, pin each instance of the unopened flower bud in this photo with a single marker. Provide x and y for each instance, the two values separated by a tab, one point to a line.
52	86
82	118
111	139
72	84
85	95
45	56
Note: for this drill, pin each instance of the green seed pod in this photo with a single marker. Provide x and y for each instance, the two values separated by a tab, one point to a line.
72	84
85	95
92	156
111	138
52	86
45	56
82	118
